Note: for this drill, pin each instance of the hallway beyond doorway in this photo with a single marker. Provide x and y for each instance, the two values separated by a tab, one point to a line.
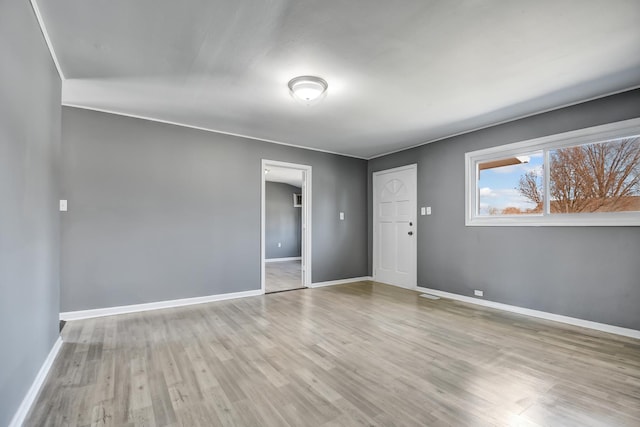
283	276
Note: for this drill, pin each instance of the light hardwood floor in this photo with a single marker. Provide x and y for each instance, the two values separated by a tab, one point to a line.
282	276
361	354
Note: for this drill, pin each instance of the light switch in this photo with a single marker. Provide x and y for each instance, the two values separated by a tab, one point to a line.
428	210
423	211
341	216
63	205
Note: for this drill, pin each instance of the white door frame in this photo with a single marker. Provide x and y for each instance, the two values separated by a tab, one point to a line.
376	238
306	219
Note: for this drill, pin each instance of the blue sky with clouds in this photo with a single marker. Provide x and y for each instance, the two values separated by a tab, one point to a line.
499	186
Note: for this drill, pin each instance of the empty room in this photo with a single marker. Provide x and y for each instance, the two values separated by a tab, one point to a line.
335	213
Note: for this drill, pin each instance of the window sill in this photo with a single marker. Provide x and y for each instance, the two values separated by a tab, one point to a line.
620	219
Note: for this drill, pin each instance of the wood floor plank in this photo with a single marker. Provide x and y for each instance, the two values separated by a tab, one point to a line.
362	354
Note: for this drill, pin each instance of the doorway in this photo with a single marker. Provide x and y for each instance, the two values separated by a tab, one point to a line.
394	226
286	226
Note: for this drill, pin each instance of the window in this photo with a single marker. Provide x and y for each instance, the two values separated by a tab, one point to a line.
297	200
585	177
498	182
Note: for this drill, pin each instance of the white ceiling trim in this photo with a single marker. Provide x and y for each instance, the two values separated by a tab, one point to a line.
505	121
45	33
168	122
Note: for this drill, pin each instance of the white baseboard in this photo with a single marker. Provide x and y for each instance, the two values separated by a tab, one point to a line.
292	258
340	282
110	311
632	333
32	394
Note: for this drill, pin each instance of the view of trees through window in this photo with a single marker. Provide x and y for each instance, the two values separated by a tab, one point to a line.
598	177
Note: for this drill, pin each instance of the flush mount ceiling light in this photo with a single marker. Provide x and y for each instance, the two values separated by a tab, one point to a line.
307	88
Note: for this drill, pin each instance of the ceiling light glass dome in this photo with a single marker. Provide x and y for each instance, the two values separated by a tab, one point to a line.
307	88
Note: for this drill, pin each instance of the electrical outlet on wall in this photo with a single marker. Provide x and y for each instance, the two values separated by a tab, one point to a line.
279	244
478	293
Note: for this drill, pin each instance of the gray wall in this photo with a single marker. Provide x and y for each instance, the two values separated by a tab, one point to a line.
160	212
283	221
29	221
590	273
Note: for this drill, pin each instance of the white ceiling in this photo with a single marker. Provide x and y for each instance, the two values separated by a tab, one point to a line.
284	175
399	73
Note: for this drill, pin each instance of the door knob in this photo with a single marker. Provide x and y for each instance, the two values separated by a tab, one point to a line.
411	233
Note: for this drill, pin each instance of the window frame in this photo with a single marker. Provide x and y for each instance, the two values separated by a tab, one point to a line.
545	144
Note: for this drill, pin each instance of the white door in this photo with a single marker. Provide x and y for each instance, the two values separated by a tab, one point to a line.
394	219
